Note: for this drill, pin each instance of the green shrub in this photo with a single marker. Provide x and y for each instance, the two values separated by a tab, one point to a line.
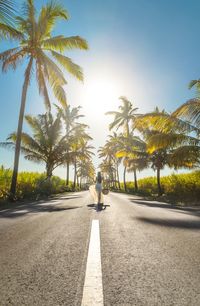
31	184
182	187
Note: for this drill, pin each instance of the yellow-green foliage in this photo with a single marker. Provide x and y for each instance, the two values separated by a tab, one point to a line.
183	187
29	184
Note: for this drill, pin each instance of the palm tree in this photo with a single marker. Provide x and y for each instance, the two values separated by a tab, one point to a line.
7	29
107	169
70	117
107	152
79	147
85	170
123	117
40	47
133	150
47	145
113	143
170	141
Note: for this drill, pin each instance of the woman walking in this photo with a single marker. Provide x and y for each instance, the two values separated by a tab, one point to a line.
98	187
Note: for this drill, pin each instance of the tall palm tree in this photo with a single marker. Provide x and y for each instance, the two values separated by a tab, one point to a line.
41	48
46	145
70	117
124	116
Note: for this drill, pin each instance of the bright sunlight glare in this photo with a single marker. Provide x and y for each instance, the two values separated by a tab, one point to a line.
100	96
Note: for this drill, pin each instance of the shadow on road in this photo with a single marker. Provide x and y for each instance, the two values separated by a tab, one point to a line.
34	207
183	210
67	198
94	206
186	224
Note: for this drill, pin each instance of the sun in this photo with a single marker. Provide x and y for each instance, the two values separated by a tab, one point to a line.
100	96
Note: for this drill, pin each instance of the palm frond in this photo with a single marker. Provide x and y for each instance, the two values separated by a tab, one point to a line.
53	72
49	14
194	83
61	43
41	84
55	78
67	63
7	11
9	32
13	60
6	54
185	156
161	141
190	110
60	94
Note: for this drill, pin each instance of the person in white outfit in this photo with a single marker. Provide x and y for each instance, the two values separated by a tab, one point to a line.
98	186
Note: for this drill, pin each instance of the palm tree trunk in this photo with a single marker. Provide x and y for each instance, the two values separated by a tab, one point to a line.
135	180
158	182
75	174
49	171
115	178
118	177
125	179
127	128
19	130
67	176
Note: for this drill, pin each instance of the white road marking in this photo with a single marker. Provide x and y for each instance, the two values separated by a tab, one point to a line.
93	288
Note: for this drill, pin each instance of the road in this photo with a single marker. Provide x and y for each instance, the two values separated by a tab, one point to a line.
149	252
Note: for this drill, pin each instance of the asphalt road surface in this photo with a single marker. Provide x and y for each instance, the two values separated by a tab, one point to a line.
150	252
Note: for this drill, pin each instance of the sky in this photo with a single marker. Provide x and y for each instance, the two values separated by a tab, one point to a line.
146	50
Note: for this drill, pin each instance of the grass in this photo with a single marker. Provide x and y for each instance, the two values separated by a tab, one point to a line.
30	185
177	188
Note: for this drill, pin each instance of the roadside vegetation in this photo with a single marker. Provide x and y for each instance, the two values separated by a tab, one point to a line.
31	185
50	145
154	140
177	188
55	140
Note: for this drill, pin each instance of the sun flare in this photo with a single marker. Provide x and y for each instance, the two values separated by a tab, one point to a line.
100	96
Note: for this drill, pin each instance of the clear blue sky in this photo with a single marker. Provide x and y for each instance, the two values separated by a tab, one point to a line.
147	50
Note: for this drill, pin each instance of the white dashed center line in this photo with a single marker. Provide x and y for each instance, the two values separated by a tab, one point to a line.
93	288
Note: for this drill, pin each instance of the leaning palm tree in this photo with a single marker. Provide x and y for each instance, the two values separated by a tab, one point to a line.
41	48
123	117
46	145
